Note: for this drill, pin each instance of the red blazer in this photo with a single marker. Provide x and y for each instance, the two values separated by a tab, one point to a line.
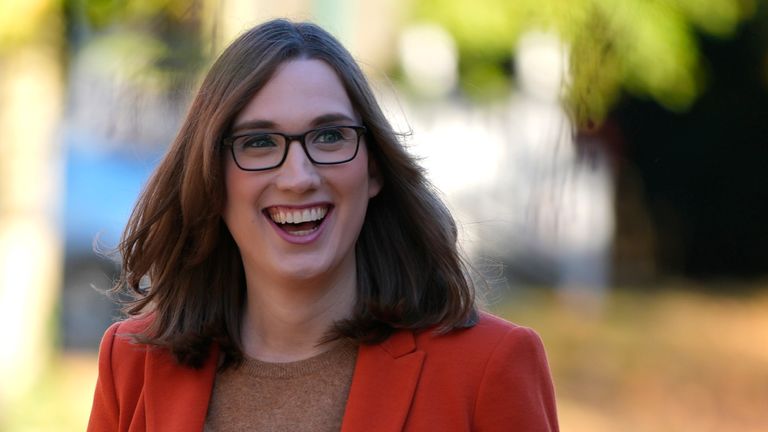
491	377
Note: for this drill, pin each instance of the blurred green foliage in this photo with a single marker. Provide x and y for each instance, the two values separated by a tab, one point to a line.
156	44
23	21
646	47
103	13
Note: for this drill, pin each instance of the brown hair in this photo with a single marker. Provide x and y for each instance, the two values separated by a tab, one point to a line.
409	272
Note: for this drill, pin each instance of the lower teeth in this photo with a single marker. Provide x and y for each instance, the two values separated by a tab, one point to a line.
299	230
302	232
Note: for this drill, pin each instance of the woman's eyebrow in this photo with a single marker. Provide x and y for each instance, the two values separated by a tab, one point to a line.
317	121
332	118
254	124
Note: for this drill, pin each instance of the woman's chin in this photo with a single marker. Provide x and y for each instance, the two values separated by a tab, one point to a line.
303	270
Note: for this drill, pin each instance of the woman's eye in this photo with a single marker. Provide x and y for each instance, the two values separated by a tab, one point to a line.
258	141
328	136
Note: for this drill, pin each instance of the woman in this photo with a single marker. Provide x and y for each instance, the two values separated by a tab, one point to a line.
293	270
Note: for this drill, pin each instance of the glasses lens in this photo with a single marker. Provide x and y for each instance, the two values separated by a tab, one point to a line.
258	151
332	144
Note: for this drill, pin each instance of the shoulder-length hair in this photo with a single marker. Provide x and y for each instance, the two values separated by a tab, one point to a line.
409	272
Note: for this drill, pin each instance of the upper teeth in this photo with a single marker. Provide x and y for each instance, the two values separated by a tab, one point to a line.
284	215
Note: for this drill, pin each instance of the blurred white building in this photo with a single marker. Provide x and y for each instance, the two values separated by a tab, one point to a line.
524	193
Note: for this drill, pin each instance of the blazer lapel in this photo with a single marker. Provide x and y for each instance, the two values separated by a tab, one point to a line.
177	397
383	385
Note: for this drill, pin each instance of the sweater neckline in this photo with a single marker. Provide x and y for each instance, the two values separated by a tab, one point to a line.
343	350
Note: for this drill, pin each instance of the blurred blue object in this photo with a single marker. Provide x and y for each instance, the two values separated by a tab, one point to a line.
102	185
103	182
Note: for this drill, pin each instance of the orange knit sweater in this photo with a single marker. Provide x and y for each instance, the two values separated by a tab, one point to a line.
306	395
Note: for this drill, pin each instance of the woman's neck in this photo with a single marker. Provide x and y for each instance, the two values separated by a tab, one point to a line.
286	320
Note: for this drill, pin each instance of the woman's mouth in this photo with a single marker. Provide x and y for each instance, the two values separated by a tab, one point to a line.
298	221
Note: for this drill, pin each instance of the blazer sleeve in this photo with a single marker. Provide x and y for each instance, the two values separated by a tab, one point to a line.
516	392
105	412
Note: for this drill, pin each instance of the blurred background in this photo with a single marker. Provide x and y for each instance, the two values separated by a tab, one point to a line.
608	163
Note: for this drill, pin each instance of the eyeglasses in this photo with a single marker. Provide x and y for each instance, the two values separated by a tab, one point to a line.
261	151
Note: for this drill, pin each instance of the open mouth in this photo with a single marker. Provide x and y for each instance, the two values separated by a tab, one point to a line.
298	222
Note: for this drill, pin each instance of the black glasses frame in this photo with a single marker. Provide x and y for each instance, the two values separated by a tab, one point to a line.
229	141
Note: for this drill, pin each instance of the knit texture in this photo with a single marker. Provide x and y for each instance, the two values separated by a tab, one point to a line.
306	395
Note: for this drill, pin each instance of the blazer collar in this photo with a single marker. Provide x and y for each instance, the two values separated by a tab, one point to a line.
380	396
170	390
383	385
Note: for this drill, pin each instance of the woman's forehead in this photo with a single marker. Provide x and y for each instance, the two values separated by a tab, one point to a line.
301	92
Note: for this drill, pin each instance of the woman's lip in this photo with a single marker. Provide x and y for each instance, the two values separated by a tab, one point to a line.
298	207
299	239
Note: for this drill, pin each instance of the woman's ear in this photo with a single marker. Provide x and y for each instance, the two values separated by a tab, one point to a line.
375	181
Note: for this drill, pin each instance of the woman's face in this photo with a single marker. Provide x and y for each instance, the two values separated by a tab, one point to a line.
325	203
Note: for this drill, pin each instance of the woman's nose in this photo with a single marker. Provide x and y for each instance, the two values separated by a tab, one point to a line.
297	173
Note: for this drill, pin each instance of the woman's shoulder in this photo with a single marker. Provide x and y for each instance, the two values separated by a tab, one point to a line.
120	345
498	368
131	325
124	332
491	335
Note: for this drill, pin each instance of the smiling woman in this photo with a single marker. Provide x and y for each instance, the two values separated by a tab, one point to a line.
280	251
303	274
